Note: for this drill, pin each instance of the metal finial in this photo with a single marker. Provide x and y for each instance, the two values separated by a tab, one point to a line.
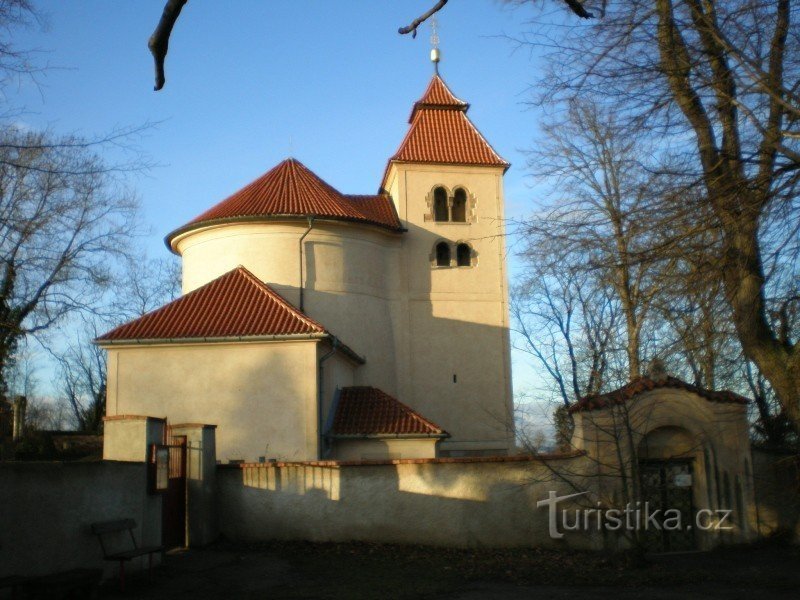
435	54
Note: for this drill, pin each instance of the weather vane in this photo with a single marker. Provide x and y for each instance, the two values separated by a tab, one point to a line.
435	54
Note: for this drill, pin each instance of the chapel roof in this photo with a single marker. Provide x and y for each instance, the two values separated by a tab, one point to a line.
641	385
441	132
235	305
291	189
366	411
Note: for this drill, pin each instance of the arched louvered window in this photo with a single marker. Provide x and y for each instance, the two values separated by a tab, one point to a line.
463	255
440	210
460	206
442	254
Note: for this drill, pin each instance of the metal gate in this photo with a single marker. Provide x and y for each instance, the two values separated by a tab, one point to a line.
667	485
173	523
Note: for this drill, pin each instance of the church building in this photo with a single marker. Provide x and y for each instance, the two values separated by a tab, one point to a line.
316	324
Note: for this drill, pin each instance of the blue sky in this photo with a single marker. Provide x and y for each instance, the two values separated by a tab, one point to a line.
251	82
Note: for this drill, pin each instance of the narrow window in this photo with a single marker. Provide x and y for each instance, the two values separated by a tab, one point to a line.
463	255
442	254
460	206
440	212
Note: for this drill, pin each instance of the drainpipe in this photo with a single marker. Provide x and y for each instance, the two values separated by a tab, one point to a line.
321	392
302	237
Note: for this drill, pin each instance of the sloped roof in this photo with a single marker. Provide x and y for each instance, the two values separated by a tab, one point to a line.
369	411
292	189
438	95
237	304
442	133
645	384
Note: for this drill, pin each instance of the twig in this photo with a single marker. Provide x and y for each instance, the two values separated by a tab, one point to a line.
159	41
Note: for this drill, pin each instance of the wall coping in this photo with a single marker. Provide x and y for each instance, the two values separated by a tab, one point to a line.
409	461
192	426
133	418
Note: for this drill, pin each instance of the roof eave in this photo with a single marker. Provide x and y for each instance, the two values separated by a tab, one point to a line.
189	227
362	436
212	339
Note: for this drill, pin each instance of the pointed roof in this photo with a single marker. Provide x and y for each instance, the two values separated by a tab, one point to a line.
641	385
366	411
438	95
442	133
292	189
237	304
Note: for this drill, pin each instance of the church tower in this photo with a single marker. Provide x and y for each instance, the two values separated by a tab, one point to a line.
453	354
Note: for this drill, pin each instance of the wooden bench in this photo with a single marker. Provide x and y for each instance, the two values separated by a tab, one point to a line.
106	528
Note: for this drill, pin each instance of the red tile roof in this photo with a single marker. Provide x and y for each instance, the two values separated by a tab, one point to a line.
442	133
292	189
370	411
438	95
237	304
645	384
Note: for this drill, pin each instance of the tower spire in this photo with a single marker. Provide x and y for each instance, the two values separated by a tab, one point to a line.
435	54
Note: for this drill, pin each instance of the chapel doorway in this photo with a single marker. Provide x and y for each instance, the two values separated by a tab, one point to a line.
667	492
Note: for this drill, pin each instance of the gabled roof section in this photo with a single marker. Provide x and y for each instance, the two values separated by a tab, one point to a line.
235	305
292	189
368	411
441	132
645	384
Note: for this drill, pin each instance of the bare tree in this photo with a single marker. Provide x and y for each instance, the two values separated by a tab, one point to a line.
141	286
604	212
63	218
718	84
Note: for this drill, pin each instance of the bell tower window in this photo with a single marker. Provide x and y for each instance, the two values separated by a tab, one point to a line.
463	255
442	254
460	206
440	209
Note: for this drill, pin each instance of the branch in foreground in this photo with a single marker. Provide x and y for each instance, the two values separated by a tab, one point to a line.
412	29
159	41
576	6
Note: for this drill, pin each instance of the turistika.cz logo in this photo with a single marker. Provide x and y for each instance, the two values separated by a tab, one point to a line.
639	516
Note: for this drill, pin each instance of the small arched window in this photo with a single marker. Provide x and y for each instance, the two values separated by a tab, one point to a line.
463	255
440	211
442	254
460	206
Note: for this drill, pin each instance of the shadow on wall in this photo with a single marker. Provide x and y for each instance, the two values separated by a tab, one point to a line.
434	355
448	504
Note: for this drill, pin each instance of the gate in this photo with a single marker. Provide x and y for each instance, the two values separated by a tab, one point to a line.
667	485
173	522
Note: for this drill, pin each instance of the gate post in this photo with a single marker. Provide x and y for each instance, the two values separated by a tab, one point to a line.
201	482
128	437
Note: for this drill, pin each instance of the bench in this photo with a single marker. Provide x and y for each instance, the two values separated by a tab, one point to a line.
107	528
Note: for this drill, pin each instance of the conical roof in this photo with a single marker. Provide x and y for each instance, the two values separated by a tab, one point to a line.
292	189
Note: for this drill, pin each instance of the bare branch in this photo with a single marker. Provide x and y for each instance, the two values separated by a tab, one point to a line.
159	41
412	29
